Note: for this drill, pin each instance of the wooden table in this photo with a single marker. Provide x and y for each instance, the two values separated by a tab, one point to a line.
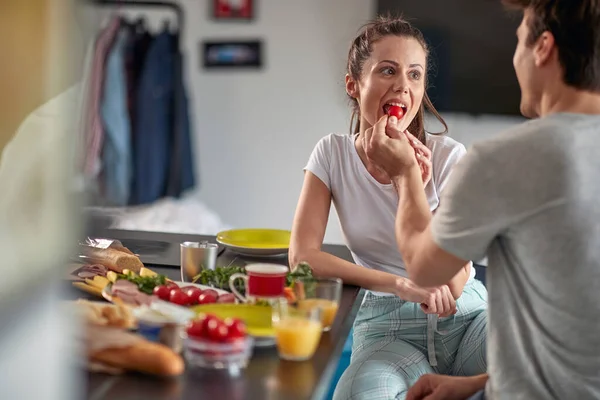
266	377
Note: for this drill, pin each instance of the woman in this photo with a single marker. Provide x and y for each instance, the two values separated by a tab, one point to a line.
402	331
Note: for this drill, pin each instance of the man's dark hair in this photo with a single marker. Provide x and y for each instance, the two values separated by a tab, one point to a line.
575	25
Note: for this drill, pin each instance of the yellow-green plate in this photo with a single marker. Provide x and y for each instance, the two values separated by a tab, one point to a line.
257	319
256	242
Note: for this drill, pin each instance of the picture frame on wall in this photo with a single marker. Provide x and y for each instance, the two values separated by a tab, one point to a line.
232	54
233	9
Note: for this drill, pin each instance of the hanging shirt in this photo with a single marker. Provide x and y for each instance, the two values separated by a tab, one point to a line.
94	130
116	150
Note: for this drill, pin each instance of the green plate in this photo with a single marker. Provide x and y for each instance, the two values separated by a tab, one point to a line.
257	318
256	242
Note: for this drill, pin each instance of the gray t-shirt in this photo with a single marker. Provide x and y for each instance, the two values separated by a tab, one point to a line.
529	199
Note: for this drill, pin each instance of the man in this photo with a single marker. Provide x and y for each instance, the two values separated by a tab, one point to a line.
527	199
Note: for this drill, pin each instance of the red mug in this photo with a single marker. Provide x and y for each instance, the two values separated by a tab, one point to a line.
261	281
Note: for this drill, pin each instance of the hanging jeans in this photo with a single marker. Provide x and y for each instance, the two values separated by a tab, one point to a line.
154	122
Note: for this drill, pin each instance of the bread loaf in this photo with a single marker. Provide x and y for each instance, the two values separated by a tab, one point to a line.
142	356
114	259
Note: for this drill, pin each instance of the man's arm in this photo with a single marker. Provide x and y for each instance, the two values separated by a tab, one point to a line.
427	264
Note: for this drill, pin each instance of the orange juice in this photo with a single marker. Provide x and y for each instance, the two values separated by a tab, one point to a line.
297	338
328	309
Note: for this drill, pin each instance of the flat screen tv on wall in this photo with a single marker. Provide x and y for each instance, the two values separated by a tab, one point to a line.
472	44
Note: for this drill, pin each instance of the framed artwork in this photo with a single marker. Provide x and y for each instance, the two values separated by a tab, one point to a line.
232	54
233	9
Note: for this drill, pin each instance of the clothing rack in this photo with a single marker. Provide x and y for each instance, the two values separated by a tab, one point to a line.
178	60
148	4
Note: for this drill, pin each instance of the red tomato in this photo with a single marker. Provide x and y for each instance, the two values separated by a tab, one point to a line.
226	298
235	328
172	285
178	297
396	111
163	292
196	328
211	291
210	323
206	321
217	331
207	298
193	293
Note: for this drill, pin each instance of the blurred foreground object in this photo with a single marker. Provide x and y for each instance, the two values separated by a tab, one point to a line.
38	213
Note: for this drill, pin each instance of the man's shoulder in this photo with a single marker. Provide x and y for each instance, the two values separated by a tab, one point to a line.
525	137
534	134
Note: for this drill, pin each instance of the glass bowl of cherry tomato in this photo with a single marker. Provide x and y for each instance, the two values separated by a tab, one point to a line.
211	342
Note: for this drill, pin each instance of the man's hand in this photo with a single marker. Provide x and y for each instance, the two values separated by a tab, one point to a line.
443	387
388	148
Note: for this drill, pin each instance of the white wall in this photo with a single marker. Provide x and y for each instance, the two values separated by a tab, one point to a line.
256	129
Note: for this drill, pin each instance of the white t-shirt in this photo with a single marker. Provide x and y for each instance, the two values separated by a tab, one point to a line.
366	208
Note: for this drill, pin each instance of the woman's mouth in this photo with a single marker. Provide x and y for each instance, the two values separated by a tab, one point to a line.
387	107
395	108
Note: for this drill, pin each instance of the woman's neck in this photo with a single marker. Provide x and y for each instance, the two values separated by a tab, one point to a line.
375	172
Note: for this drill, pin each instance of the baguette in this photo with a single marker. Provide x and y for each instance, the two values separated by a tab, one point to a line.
142	356
114	259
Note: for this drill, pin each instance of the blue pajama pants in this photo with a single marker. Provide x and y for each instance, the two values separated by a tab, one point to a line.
395	343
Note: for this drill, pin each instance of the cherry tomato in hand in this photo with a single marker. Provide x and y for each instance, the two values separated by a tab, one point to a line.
178	297
396	111
163	292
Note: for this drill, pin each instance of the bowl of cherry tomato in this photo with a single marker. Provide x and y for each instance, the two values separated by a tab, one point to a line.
212	342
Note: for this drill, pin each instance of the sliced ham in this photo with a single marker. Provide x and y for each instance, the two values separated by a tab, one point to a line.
124	286
127	298
92	270
142	299
129	293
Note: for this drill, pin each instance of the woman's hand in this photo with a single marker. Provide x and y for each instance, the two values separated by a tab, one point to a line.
423	155
437	300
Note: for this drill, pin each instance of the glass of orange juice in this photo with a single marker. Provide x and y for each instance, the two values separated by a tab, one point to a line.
321	293
297	332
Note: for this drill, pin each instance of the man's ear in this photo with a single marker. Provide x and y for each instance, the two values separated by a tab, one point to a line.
351	87
544	48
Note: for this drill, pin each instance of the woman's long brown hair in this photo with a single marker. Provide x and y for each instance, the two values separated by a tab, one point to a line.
361	50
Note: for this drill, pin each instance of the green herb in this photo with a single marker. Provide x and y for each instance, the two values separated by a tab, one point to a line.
145	284
219	277
302	271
